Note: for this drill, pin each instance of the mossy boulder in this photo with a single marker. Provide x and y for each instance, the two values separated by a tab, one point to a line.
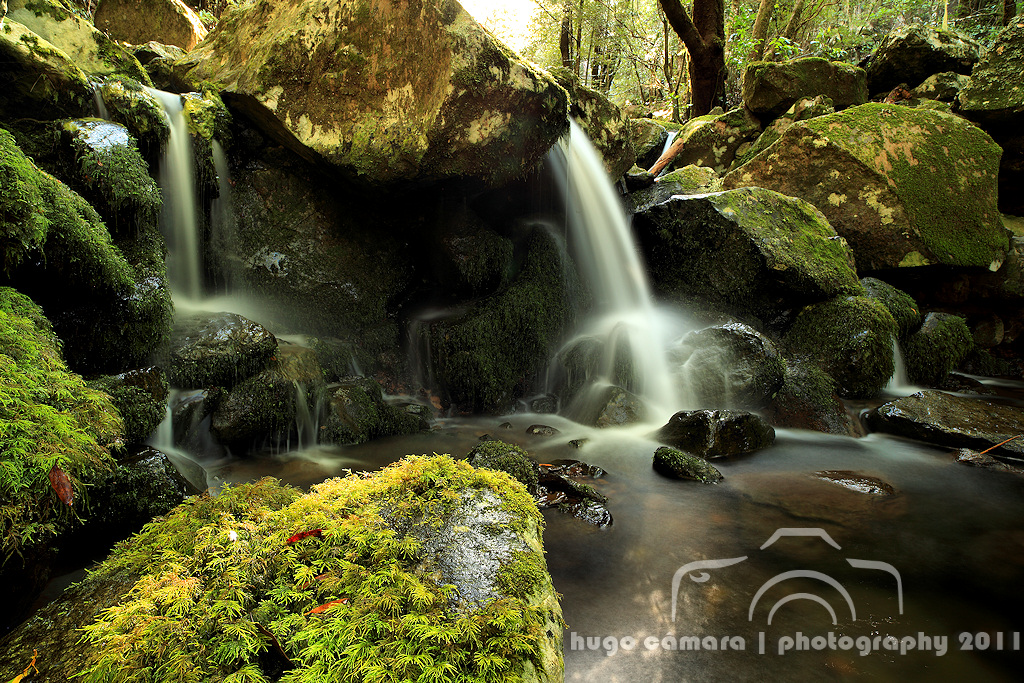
805	108
218	350
53	425
648	137
109	303
901	305
770	88
605	124
851	338
943	87
911	53
131	105
808	399
137	21
140	397
686	180
675	464
941	344
357	412
716	433
715	140
428	568
728	366
905	187
507	458
606	405
483	358
751	251
93	51
386	91
37	80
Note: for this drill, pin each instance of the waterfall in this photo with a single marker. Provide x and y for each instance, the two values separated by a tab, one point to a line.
668	143
899	384
600	236
101	106
179	220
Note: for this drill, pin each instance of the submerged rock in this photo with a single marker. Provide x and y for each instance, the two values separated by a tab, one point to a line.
441	548
971	458
936	349
750	251
542	430
716	433
168	21
387	91
855	481
770	88
559	488
673	463
728	366
953	421
911	53
905	187
218	350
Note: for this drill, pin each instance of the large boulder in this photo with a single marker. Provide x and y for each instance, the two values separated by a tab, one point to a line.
140	21
905	187
428	566
387	91
37	80
714	140
605	124
92	50
770	88
808	399
222	349
751	251
911	53
357	412
805	108
716	433
939	346
952	421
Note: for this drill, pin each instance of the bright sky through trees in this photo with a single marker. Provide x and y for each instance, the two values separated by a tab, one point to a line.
507	19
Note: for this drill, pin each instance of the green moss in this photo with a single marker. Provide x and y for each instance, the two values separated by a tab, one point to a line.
48	418
23	223
205	114
131	106
901	305
507	458
140	398
525	574
674	463
943	341
222	593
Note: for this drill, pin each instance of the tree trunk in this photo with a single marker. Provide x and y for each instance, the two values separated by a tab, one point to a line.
1009	11
793	25
760	31
704	38
565	36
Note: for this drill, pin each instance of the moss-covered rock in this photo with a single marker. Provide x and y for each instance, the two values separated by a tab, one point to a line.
140	397
37	79
751	251
770	88
905	187
357	412
851	338
169	21
387	91
716	433
943	87
129	104
941	344
483	358
901	305
808	400
219	350
686	180
805	108
605	124
648	137
673	463
93	51
728	366
913	52
714	140
507	458
428	568
605	405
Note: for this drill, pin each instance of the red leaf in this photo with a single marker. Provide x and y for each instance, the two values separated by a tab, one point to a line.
327	605
62	485
304	534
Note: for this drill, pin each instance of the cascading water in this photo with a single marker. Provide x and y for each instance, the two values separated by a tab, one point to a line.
664	148
624	316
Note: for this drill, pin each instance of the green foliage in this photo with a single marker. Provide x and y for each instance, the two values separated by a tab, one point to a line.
23	224
224	596
48	417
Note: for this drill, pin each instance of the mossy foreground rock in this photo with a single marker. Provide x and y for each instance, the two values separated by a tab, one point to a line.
388	90
912	53
905	187
428	570
770	88
750	251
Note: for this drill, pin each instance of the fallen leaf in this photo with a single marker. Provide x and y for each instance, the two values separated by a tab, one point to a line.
327	605
304	534
24	674
62	485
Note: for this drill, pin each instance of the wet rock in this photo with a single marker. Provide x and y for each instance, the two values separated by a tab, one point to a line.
129	104
541	430
605	124
805	108
38	80
686	180
580	500
851	339
943	341
507	458
222	350
966	456
578	365
675	464
648	137
745	252
167	21
713	141
911	53
901	305
578	443
158	60
943	87
140	397
770	88
905	187
988	331
572	468
808	399
544	405
637	179
954	421
478	259
357	412
505	425
448	101
607	406
982	362
855	481
716	433
728	366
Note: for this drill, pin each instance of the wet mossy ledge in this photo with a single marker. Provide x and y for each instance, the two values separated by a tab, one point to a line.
358	580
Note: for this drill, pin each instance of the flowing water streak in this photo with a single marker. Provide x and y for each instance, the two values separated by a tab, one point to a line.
601	237
669	139
179	219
